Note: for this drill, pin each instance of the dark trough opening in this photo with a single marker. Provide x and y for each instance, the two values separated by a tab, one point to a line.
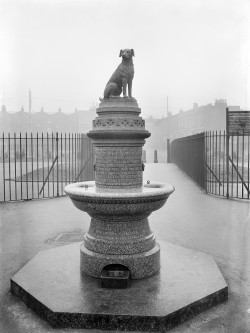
115	276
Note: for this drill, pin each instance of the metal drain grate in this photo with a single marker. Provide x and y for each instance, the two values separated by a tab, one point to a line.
66	237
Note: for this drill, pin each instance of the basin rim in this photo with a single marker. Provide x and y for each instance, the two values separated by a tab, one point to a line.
154	189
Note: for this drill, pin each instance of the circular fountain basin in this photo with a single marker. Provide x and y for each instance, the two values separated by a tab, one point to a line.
119	231
94	200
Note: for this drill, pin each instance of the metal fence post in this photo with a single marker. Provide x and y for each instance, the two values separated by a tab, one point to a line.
227	151
57	167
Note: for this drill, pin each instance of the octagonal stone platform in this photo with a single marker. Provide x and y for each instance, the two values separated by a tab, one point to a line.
52	285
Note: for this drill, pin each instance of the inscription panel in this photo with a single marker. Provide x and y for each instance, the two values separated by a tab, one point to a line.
238	122
118	166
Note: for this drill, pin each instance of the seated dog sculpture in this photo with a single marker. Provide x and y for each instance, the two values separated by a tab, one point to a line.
122	77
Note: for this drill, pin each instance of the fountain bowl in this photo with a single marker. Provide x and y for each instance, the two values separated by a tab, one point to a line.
105	201
119	231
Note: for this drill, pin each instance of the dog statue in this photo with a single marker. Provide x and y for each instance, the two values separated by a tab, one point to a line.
122	77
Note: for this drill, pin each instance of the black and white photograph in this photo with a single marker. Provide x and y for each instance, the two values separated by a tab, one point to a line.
124	166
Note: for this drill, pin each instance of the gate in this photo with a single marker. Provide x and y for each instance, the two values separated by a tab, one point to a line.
217	162
227	159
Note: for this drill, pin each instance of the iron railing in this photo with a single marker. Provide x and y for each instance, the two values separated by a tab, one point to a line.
216	162
40	165
227	168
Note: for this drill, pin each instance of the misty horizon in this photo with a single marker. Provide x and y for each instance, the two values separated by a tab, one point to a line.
65	52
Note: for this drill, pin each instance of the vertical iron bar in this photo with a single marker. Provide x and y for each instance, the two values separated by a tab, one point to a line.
65	159
89	154
81	155
15	166
219	159
43	163
248	162
57	165
237	165
37	164
3	170
21	166
9	166
227	149
206	161
26	166
85	156
232	171
243	148
77	154
32	165
72	156
53	174
47	142
216	161
75	159
61	168
209	161
214	180
224	154
69	158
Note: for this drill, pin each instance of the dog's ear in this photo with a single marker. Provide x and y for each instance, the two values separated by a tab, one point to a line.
133	52
120	53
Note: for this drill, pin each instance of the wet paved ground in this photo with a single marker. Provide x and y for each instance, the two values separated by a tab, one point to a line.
190	218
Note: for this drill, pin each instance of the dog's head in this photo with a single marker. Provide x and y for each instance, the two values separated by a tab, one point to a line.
127	53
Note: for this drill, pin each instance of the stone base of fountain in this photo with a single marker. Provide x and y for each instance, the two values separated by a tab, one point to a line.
52	285
61	284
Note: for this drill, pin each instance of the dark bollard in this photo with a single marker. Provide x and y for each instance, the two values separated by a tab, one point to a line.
155	157
144	159
168	151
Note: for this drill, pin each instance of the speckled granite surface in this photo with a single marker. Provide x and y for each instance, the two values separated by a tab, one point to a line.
141	265
118	201
188	283
119	231
118	135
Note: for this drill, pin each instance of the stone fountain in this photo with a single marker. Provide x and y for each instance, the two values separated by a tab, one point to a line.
62	285
118	202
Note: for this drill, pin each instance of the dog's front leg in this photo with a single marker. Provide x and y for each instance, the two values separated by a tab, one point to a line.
130	88
124	87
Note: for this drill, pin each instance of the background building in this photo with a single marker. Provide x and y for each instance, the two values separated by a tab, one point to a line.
210	117
24	122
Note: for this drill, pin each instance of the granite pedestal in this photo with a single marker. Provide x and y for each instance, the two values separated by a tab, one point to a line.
118	202
52	285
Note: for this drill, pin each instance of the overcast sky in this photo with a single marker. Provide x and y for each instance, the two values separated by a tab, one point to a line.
65	52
